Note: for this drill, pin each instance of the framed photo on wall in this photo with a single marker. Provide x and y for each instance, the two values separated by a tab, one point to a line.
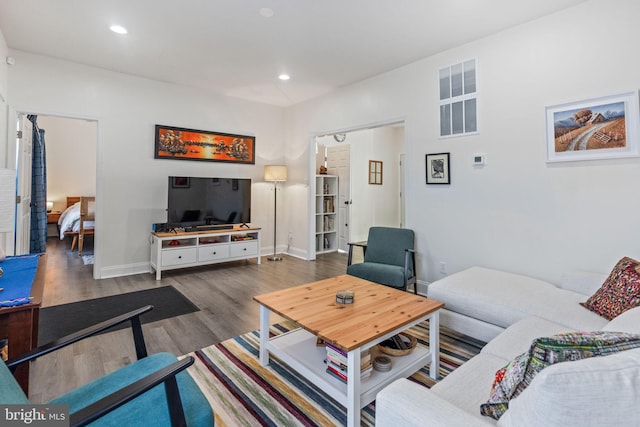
593	129
437	168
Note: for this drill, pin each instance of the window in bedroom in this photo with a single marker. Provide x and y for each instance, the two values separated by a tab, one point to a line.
458	112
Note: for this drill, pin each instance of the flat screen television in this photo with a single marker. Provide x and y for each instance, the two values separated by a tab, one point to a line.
196	201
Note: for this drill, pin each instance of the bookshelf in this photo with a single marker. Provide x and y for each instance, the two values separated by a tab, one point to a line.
326	213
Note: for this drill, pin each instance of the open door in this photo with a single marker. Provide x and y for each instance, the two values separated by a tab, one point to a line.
338	159
24	142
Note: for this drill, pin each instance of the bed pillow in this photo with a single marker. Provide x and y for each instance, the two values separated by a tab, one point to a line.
620	292
514	378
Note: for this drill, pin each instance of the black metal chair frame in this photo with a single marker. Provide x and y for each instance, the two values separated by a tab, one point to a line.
113	401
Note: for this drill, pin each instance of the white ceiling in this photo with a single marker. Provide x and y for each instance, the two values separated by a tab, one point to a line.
228	47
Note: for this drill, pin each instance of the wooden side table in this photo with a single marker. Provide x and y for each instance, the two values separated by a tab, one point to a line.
53	217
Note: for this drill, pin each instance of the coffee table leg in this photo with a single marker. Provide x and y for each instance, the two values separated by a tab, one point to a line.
264	335
434	344
353	388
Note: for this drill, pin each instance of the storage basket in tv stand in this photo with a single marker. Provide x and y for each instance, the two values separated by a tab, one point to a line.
171	250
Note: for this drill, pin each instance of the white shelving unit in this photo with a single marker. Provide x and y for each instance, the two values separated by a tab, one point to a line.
326	213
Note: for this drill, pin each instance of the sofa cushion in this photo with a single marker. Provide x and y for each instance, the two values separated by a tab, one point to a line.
517	338
583	282
467	386
600	391
513	379
620	292
404	403
502	298
629	321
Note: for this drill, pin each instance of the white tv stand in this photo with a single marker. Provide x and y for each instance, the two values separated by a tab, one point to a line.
171	250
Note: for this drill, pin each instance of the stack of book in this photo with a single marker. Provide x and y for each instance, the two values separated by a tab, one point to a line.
336	361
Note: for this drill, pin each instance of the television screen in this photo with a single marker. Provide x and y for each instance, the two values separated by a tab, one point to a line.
195	201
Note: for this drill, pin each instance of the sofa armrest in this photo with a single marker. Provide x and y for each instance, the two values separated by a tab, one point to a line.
405	403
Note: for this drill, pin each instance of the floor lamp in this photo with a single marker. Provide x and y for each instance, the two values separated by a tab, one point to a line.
275	174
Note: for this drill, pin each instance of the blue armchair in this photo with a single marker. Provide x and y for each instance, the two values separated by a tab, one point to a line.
152	391
389	258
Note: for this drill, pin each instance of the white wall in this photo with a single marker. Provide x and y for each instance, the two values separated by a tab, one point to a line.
131	184
71	158
518	213
4	51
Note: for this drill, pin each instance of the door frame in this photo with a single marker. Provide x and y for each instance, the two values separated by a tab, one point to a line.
13	116
311	251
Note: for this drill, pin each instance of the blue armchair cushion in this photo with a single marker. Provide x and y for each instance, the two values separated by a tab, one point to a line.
148	409
386	274
10	392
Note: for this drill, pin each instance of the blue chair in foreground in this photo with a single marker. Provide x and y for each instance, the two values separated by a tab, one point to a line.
152	391
389	258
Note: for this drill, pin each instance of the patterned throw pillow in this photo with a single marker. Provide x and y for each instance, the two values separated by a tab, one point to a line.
620	292
511	380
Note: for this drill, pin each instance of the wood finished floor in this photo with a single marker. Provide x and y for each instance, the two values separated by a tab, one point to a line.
223	293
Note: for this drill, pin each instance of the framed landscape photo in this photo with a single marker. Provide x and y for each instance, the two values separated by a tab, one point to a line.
593	129
437	168
190	144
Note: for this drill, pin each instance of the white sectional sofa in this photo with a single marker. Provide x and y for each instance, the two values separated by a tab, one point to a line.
510	311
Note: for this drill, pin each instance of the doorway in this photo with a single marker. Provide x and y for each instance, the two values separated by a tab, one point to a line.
361	204
71	158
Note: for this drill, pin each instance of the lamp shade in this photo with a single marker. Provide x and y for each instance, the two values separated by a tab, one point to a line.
275	173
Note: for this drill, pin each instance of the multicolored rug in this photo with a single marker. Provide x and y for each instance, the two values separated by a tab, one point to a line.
243	393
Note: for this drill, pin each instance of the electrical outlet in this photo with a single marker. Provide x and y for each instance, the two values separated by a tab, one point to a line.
443	267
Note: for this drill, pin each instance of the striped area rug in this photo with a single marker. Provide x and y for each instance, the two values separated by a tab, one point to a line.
243	393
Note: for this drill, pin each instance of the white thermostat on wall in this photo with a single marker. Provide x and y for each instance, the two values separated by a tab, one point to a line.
479	159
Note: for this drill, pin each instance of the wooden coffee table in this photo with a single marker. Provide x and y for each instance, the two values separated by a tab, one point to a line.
378	313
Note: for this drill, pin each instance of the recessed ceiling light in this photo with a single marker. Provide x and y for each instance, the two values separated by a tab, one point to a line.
118	29
284	76
266	12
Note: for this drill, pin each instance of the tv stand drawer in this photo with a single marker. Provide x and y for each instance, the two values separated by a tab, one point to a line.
178	256
213	252
244	249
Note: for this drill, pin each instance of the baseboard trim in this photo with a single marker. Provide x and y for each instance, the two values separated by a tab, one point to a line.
124	270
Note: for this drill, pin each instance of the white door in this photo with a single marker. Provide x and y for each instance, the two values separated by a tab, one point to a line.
23	202
338	158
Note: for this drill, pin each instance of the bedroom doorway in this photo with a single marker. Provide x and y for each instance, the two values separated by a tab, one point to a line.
71	159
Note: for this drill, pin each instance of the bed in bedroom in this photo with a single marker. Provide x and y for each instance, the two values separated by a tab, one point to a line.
77	220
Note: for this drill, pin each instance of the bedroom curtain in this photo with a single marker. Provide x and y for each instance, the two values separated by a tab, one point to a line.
38	190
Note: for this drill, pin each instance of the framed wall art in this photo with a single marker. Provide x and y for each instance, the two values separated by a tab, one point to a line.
600	128
437	168
190	144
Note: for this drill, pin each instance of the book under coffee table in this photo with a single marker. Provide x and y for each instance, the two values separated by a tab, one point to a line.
378	313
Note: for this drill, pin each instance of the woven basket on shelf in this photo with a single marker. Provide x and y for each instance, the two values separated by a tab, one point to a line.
413	342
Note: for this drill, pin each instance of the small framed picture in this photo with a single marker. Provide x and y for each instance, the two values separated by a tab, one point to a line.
437	168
